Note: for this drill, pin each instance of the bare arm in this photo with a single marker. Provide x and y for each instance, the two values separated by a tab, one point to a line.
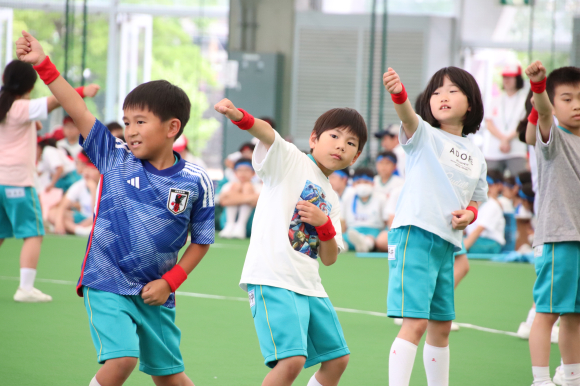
60	214
494	130
404	111
537	72
462	218
261	130
29	50
89	91
328	252
531	134
472	238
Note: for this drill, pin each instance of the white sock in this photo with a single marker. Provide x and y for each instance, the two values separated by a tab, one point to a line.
231	214
541	375
244	215
436	361
572	374
401	360
27	276
83	231
531	316
94	382
370	242
313	381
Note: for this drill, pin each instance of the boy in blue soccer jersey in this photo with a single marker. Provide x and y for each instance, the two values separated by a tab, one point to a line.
147	201
557	232
296	226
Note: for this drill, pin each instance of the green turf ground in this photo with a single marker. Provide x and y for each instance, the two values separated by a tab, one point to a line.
50	344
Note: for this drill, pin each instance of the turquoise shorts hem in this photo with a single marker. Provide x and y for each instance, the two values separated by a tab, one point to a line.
161	372
118	354
20	212
556	310
327	357
271	360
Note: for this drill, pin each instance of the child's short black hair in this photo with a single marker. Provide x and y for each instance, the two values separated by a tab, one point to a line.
524	178
363	172
342	117
114	126
243	161
345	171
467	84
495	175
527	192
248	145
562	76
387	154
163	99
523	125
510	181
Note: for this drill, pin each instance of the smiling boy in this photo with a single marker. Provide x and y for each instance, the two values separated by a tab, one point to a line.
147	201
297	225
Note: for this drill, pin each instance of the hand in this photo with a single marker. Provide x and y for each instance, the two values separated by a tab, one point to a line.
49	188
156	293
227	108
536	71
29	50
91	90
505	146
461	219
311	214
392	82
38	125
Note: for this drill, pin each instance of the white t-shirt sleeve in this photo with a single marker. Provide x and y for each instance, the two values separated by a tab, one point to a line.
417	140
480	192
51	158
74	193
273	164
38	109
335	216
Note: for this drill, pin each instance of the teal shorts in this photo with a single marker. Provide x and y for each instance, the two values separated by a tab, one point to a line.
78	217
367	231
289	324
485	245
557	287
124	326
462	252
20	212
67	180
420	275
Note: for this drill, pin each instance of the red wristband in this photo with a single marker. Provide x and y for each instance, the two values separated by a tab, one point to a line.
47	71
474	210
538	87
533	117
175	277
401	97
81	91
246	122
326	231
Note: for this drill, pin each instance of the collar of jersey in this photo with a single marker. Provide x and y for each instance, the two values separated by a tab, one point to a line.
565	130
165	172
313	160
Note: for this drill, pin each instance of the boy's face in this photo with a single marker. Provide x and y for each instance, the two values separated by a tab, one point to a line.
146	135
335	149
448	103
337	182
91	173
389	142
70	131
247	153
510	191
567	106
495	189
244	173
509	83
385	168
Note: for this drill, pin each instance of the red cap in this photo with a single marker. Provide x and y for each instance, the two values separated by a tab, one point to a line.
57	135
180	144
84	159
512	70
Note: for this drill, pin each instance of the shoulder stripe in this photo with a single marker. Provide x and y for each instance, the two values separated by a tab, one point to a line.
206	184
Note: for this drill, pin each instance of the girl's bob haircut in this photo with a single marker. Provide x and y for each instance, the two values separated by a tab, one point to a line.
468	86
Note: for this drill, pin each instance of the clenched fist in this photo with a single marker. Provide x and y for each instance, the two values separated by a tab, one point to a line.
536	71
227	108
392	82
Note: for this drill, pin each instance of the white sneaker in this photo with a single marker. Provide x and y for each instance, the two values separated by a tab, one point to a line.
454	326
226	233
358	239
239	231
544	384
398	321
524	330
555	334
32	296
559	376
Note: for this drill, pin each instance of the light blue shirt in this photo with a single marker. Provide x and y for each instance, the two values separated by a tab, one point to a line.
444	172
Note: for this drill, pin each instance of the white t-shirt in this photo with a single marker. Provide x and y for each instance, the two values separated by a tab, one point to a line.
52	158
283	250
490	217
401	156
506	204
392	184
257	188
444	172
80	193
506	112
368	214
73	149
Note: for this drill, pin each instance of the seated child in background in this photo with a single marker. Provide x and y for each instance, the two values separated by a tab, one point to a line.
487	233
74	214
70	142
524	215
116	130
385	180
246	151
239	198
339	182
362	212
58	170
509	195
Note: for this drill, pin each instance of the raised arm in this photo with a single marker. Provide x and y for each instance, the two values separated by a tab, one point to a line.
29	50
261	129
405	109
537	74
88	92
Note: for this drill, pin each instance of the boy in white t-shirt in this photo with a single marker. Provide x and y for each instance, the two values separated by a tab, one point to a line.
339	182
363	211
239	199
487	233
386	181
296	225
70	142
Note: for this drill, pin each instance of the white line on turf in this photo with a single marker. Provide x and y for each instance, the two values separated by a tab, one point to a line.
220	297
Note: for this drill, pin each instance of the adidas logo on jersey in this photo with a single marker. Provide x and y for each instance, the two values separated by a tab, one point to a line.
134	182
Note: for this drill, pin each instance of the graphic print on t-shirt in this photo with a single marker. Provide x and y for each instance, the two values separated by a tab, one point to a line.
303	236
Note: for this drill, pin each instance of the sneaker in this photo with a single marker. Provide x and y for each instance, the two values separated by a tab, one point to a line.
454	326
226	233
559	376
398	321
358	239
544	384
555	334
524	331
239	231
32	296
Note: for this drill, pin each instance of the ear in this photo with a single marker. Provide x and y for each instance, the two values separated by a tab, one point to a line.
312	140
174	126
355	157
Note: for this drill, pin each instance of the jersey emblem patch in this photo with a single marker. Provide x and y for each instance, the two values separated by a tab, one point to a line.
177	200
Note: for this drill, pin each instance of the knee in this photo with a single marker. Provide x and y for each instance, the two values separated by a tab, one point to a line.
122	367
340	363
291	367
415	327
382	241
179	379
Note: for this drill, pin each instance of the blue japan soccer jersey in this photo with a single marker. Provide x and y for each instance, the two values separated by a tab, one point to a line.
142	216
